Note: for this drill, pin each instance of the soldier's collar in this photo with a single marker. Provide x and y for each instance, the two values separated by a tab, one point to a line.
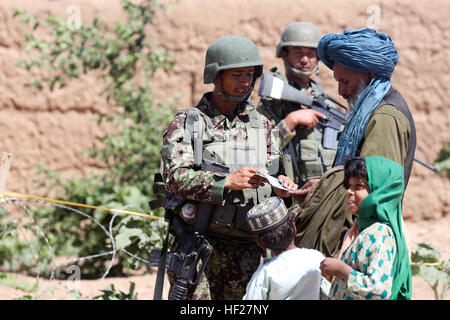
299	86
244	108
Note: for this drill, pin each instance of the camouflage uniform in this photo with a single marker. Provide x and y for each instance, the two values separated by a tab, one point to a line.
233	261
312	160
304	156
181	178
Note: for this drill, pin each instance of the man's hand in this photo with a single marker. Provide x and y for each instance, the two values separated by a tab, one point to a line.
244	178
303	117
287	183
301	193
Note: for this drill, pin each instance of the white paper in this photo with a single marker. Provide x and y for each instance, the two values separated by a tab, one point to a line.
273	181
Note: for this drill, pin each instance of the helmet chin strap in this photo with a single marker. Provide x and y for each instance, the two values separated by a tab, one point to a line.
237	99
300	73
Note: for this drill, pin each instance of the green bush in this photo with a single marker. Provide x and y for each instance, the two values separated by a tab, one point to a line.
443	160
426	262
111	294
125	61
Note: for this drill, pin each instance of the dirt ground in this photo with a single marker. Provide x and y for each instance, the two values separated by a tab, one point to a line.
431	231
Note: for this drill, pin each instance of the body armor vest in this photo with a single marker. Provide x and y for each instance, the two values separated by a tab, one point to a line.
311	159
217	154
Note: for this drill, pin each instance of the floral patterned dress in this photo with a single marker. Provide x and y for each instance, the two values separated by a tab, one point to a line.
371	255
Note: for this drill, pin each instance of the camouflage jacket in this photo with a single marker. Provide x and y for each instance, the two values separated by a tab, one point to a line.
181	178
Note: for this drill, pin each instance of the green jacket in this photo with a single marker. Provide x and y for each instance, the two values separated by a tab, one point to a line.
323	218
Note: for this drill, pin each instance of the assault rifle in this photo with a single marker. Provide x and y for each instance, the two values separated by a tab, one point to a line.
276	88
195	248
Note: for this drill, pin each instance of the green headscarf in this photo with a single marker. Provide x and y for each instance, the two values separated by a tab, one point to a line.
384	205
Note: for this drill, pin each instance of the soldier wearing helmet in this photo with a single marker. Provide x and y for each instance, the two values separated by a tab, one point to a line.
304	157
211	154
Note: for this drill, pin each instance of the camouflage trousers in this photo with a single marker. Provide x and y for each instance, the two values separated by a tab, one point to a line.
229	269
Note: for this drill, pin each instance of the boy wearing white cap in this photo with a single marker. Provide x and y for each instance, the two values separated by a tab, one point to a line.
292	273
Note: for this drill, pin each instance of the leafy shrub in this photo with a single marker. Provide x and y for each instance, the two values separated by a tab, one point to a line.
443	160
111	294
125	61
20	251
426	262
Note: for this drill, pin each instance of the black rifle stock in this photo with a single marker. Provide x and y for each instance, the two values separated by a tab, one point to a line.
275	88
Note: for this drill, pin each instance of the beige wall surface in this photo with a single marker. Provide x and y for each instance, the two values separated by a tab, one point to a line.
53	127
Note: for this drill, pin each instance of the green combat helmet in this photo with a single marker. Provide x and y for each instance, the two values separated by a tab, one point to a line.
231	52
299	34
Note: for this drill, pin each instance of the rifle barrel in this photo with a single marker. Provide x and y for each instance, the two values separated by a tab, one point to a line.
429	166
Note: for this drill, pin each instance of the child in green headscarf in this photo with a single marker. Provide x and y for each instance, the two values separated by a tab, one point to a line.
375	263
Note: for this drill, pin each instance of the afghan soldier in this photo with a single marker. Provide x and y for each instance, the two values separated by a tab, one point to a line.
211	154
304	156
379	123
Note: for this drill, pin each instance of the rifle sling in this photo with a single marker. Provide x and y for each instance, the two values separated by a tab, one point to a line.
196	127
156	203
158	188
159	284
290	145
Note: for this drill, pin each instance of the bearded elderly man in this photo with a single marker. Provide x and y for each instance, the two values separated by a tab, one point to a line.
379	123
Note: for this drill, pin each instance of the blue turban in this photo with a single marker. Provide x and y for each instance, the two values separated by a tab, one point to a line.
363	50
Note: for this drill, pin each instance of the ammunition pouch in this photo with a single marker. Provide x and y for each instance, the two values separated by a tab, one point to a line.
310	159
227	221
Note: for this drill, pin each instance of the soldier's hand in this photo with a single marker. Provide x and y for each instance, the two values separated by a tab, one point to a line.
244	178
307	118
287	183
301	193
